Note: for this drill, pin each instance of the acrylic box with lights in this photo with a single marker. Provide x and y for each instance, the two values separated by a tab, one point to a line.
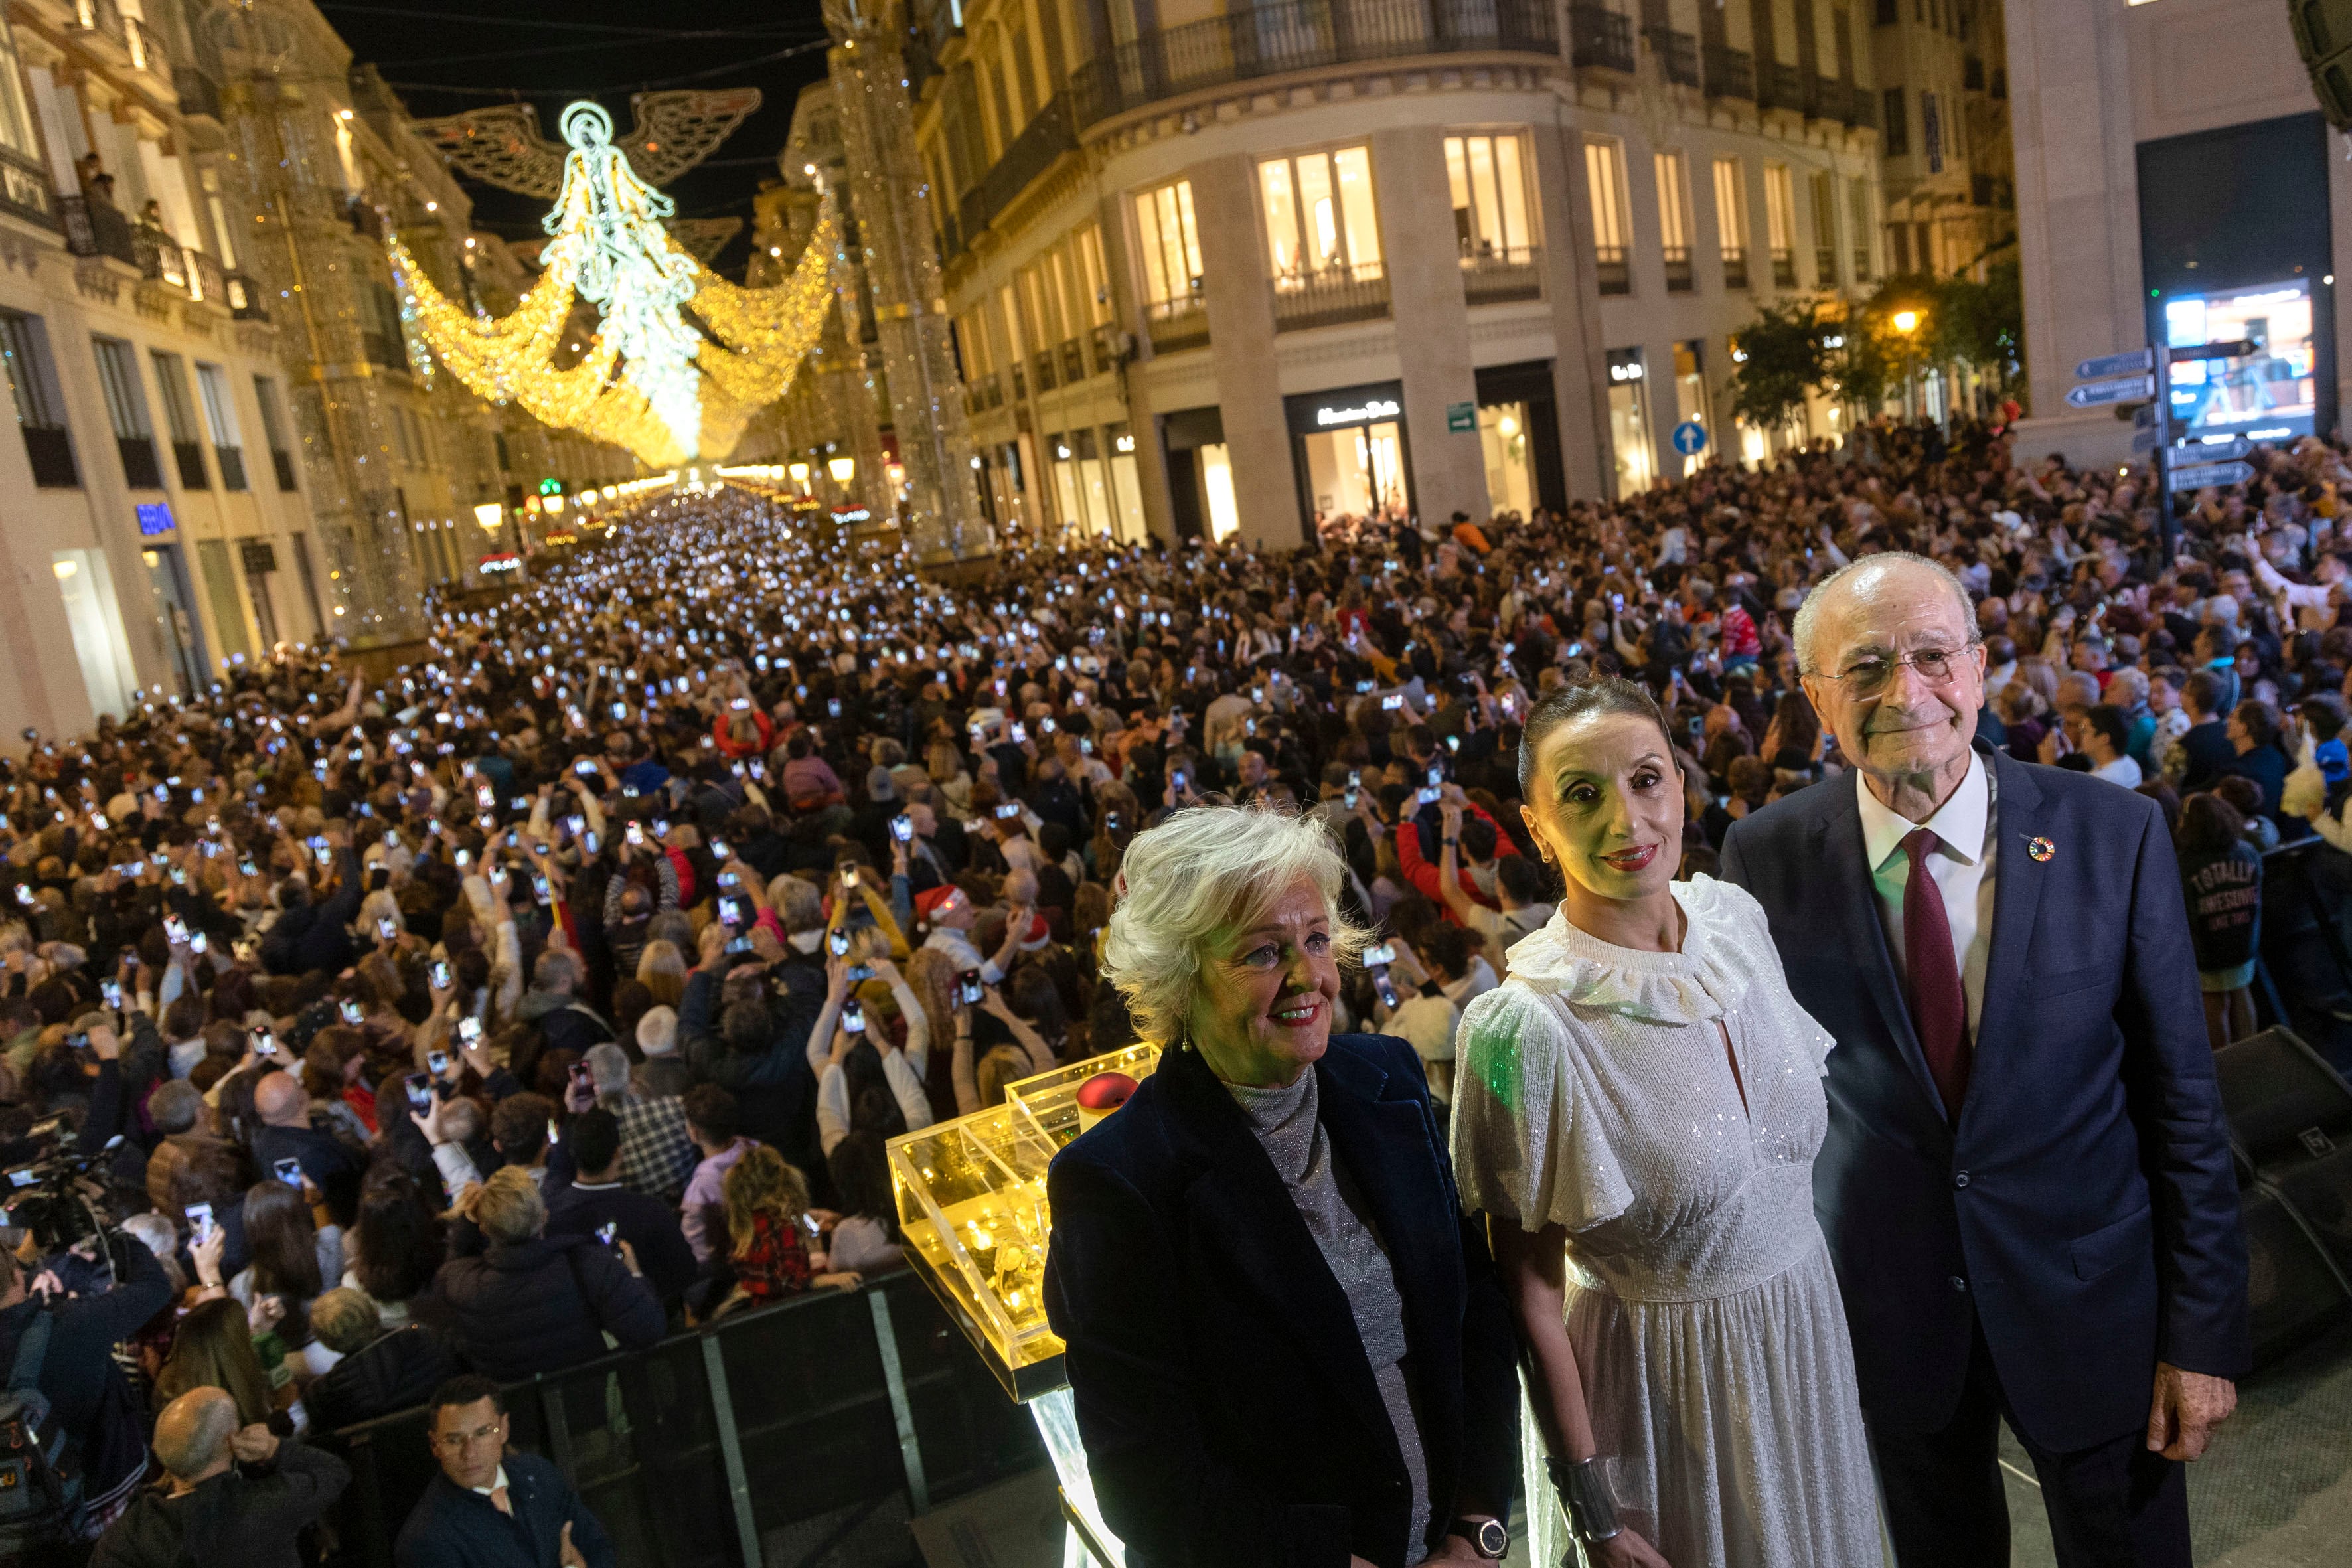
971	1205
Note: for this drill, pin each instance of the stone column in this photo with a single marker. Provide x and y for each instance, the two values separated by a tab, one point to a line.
1433	322
1241	334
1580	367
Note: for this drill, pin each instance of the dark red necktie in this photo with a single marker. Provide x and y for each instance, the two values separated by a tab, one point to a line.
1940	1010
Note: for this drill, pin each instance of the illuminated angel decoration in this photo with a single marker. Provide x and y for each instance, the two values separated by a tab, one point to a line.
673	133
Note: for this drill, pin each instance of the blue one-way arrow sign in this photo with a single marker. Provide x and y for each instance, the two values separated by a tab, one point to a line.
2197	476
2114	365
2099	393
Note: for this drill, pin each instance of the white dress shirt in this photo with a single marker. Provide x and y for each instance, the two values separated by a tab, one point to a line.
1962	864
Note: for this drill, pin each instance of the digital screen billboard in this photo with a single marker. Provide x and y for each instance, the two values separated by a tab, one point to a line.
2271	393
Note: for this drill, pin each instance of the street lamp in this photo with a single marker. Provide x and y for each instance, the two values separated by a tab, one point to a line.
842	469
1906	320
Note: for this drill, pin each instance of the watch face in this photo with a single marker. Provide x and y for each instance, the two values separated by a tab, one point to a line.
1493	1540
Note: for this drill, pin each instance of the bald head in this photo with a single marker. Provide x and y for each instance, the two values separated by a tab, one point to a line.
192	1436
278	1100
1869	584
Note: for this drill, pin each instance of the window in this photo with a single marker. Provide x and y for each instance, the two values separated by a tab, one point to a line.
1093	276
1824	194
1781	224
1604	168
40	413
1488	180
221	235
1319	214
187	449
1024	72
220	419
281	457
1897	121
1731	220
1169	242
15	117
1860	226
118	374
1675	221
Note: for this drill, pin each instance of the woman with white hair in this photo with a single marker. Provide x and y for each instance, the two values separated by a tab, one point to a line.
1286	1344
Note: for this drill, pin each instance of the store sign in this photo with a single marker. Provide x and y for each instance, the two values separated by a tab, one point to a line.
1461	420
1362	414
259	558
846	516
154	518
561	538
492	565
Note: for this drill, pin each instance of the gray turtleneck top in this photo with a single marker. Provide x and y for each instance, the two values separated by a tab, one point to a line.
1291	1132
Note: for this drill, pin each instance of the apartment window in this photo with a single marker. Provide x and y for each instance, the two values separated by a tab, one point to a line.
220	419
1604	169
1319	215
1024	72
1896	121
1017	340
1169	242
281	456
134	438
1039	329
180	418
40	412
1781	224
1731	220
1675	222
221	237
1824	194
15	115
1861	226
1487	175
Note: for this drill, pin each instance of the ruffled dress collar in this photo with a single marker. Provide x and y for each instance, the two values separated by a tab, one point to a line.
1703	982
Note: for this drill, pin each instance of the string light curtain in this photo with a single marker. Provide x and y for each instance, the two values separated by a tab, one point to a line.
649	380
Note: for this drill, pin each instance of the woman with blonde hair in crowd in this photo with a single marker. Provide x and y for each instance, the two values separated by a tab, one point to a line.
661	970
769	1242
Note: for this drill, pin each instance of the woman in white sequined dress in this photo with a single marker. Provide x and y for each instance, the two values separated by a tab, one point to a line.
1636	1111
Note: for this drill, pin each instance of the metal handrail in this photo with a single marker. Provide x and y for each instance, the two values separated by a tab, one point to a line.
1302	34
98	229
1600	36
1326	296
1042	141
1729	72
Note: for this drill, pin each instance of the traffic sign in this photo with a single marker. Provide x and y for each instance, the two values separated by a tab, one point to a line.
2099	393
2228	348
1461	418
2143	440
2213	452
2197	476
2114	365
1690	437
2144	417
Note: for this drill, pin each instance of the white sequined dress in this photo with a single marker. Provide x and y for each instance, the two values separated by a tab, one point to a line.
1593	1090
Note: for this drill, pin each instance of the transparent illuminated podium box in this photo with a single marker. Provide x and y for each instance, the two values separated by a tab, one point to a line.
972	1205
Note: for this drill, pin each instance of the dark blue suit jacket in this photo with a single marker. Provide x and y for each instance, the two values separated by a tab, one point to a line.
1229	1415
2083	1209
452	1528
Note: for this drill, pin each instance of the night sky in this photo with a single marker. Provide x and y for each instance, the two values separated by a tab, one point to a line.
440	59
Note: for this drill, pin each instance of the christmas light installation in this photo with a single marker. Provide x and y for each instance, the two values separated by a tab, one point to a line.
648	380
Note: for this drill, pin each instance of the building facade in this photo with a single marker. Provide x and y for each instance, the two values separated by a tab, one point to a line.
1237	273
2177	185
1951	180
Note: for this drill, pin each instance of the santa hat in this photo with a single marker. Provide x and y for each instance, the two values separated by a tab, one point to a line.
1039	935
930	900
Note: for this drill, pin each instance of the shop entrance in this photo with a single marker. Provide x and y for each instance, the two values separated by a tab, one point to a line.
1199	474
1519	437
1350	452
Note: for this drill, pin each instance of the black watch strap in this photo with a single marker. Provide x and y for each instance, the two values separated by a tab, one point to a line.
1490	1538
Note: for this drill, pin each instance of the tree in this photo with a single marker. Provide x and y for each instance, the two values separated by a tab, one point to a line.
1778	359
1984	324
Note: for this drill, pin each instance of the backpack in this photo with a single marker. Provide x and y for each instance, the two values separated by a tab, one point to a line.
39	1493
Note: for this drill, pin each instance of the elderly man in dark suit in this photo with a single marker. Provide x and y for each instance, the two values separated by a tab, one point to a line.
2027	1184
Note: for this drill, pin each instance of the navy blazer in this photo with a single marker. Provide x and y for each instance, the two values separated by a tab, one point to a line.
1230	1416
2083	1209
453	1527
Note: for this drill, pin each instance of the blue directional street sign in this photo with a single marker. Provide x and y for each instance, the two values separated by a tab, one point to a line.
2121	389
2197	476
2113	365
1689	437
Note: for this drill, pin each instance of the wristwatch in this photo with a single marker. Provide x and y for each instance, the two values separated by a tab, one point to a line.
1488	1537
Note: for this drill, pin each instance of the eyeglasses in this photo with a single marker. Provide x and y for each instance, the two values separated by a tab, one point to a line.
1869	676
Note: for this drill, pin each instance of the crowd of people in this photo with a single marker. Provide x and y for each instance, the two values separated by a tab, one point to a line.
426	1025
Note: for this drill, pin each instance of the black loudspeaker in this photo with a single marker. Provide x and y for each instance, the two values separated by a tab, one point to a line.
2296	1295
2322	36
2287	1107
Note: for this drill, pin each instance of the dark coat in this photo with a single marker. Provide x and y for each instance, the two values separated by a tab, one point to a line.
649	1225
452	1528
248	1515
398	1371
87	1396
1230	1416
542	1305
2083	1209
315	935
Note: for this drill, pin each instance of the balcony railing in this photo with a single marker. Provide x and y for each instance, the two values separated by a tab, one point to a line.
1102	342
141	470
244	297
50	451
1678	269
1677	54
1862	264
102	18
1044	139
1496	276
1041	370
198	93
26	191
1784	267
98	229
1250	42
1825	267
160	255
282	461
1074	362
1179	323
1331	295
189	457
1780	86
1612	269
1600	36
1735	266
1020	382
1730	73
1972	74
210	281
232	466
